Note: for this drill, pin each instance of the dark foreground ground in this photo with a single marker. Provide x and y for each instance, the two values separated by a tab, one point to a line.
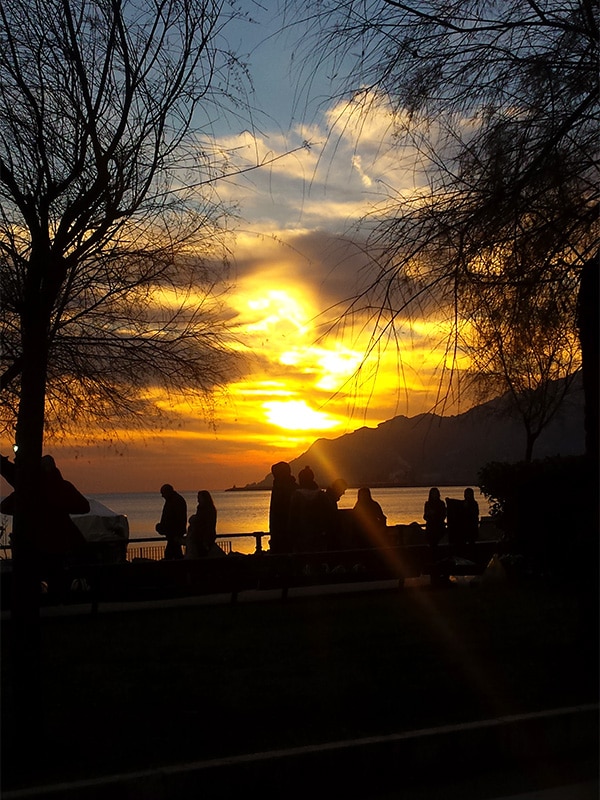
140	688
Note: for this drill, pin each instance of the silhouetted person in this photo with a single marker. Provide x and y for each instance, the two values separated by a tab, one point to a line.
58	536
202	530
370	520
173	522
284	485
462	521
304	513
471	516
306	479
330	534
434	514
57	540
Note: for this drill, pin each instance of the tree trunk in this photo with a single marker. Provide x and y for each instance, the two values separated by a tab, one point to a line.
530	440
26	576
589	337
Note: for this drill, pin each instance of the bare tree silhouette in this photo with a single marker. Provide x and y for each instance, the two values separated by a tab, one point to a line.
110	231
497	106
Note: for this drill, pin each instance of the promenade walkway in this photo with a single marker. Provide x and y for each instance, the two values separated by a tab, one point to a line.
548	755
541	756
247	596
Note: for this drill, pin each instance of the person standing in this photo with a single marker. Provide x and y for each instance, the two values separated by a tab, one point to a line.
471	516
59	536
330	521
434	514
370	519
284	485
202	531
304	513
57	542
173	522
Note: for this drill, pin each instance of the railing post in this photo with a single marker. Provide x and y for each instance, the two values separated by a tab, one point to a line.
258	536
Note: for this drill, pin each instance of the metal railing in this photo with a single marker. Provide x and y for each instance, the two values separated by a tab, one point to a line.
155	552
150	547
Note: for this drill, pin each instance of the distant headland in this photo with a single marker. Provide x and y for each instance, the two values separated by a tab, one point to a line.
250	487
431	450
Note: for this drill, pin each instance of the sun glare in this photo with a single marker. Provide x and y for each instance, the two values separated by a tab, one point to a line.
336	366
274	309
296	415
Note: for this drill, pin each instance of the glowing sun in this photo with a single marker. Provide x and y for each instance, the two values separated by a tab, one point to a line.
296	415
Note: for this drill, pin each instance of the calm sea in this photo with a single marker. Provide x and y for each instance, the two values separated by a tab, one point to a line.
247	512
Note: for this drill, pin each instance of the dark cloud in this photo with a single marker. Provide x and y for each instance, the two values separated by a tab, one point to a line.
334	266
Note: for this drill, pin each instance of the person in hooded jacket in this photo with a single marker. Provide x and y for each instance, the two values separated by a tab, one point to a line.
58	535
57	541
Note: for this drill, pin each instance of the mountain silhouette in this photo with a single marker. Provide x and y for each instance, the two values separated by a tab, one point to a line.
430	449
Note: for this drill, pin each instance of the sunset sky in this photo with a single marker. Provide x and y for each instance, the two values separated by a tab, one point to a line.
293	271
